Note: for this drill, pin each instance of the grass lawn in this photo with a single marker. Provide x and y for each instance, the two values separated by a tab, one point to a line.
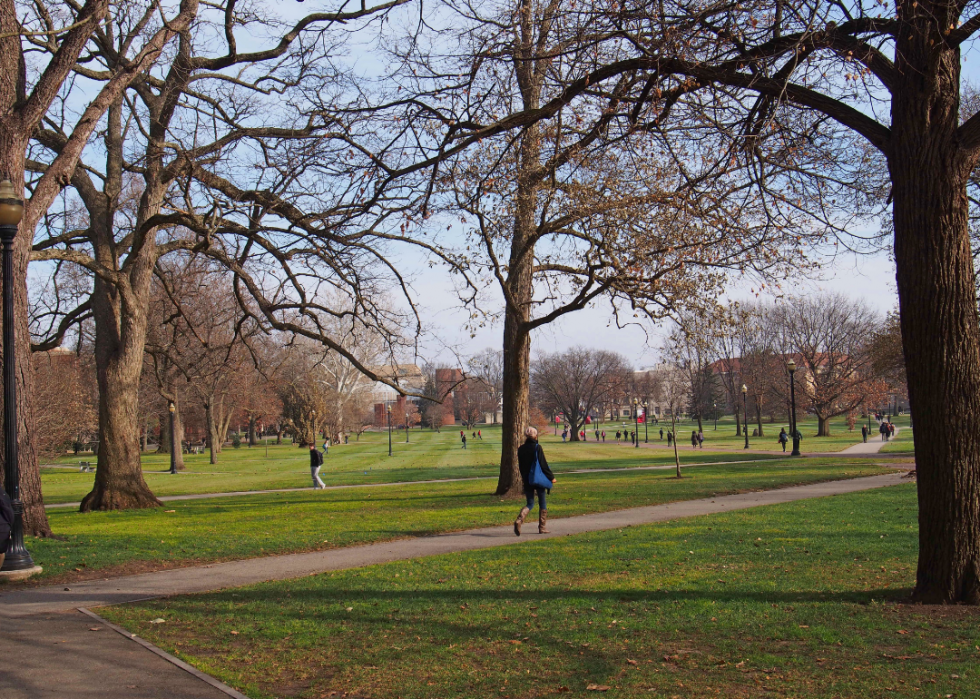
795	600
103	544
903	443
840	436
428	455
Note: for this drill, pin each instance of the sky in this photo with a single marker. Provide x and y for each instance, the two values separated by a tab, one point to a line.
866	278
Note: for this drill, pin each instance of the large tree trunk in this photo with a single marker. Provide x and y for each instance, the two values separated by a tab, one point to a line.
164	446
940	330
120	331
758	417
738	421
823	426
517	388
212	433
251	431
34	517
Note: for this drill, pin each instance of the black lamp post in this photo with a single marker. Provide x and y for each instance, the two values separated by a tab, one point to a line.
173	438
636	422
714	407
406	427
389	430
646	423
791	365
11	211
745	411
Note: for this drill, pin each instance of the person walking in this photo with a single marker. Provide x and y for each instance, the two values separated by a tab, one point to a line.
464	439
883	428
700	439
597	435
564	433
603	436
316	461
618	435
528	454
670	437
694	439
783	438
661	434
479	434
864	433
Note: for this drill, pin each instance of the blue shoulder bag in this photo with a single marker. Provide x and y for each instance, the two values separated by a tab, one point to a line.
538	479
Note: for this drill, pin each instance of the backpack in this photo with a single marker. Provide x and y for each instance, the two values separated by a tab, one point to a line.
6	520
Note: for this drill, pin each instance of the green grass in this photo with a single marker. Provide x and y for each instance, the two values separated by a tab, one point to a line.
100	544
427	456
795	600
840	437
903	443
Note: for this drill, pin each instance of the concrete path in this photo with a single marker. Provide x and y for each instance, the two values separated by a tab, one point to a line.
873	445
659	467
96	593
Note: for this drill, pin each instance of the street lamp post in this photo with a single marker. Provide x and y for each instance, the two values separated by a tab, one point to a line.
389	430
715	408
745	411
636	422
791	365
406	427
17	560
173	438
646	423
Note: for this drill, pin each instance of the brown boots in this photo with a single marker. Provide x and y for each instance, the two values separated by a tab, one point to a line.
520	520
542	521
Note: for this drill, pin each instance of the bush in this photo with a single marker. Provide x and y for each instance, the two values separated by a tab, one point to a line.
236	440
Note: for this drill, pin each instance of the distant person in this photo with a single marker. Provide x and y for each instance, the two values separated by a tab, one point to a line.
564	434
597	435
528	454
864	433
670	438
461	433
891	429
464	439
316	461
582	436
700	439
618	435
783	438
479	433
661	434
603	436
883	428
326	447
694	439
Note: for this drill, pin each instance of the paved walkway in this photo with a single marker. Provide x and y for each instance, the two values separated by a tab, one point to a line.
868	449
96	593
872	446
50	645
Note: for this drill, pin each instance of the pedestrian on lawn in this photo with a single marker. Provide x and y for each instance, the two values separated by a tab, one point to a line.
527	454
700	439
661	434
316	461
464	439
783	437
603	436
694	439
618	435
883	428
564	434
479	433
864	433
597	435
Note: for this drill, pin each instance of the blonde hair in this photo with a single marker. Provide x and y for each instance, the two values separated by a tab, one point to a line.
531	432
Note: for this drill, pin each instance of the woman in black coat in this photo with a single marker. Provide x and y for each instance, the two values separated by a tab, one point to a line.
527	454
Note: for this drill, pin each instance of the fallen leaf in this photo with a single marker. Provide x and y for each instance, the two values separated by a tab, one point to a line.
234	633
592	687
159	621
631	662
95	628
902	631
169	512
514	642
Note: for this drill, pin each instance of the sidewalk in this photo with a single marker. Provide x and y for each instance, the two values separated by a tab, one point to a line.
872	446
96	593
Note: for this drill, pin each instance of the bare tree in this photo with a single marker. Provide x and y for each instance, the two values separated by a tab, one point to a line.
488	368
828	336
673	390
577	381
